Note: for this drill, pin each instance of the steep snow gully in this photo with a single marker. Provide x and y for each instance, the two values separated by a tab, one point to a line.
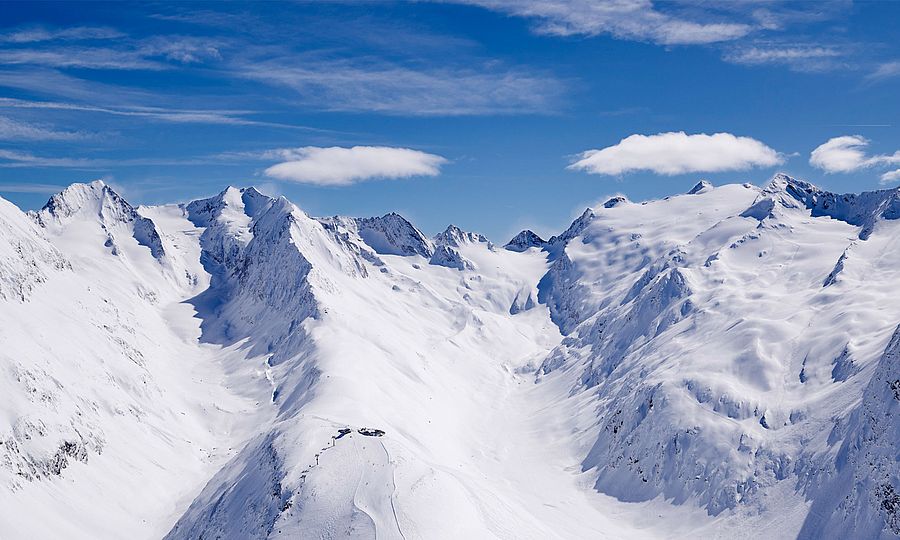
721	363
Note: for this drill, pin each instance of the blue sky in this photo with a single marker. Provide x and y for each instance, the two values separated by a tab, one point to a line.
493	114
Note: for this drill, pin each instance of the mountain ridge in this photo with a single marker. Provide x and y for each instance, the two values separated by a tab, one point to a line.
712	357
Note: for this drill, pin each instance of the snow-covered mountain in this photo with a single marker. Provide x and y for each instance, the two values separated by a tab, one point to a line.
718	363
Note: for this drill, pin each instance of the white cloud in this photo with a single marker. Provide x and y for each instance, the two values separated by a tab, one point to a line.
840	154
798	57
180	116
12	130
80	57
678	153
890	176
185	50
623	19
17	159
392	88
337	166
12	158
122	54
76	33
31	188
886	70
847	154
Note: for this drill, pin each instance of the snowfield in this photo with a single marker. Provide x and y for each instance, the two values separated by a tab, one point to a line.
721	363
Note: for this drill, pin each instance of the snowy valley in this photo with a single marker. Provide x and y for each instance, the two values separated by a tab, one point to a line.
719	363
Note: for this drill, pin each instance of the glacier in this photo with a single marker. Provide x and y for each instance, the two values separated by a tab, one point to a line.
718	363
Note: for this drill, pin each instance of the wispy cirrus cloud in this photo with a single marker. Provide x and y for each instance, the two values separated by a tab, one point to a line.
150	54
740	28
886	70
35	34
391	88
12	158
678	153
338	166
801	57
80	57
14	130
30	188
388	79
180	116
636	20
17	159
847	154
890	176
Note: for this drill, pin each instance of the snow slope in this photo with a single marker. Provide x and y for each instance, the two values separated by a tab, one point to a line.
728	348
718	363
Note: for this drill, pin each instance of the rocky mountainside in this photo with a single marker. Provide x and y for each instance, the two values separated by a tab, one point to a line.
725	361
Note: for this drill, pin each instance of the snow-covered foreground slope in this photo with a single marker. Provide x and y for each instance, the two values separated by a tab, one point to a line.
719	363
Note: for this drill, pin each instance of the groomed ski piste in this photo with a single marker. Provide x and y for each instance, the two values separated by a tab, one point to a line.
718	363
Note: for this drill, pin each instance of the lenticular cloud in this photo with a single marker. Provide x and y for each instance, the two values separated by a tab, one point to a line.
342	166
678	153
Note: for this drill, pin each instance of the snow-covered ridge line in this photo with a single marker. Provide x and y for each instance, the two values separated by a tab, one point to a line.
26	257
725	352
670	427
110	209
863	210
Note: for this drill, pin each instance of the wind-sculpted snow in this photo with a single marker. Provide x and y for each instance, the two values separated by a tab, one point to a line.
717	363
711	349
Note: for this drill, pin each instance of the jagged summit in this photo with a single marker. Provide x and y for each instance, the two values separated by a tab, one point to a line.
676	354
97	200
863	210
580	223
93	198
392	234
524	240
782	183
247	201
254	201
612	202
700	187
455	237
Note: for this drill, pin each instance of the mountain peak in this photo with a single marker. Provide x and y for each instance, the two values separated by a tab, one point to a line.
783	184
863	210
96	200
524	240
92	199
454	236
580	223
701	187
231	201
392	234
612	202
